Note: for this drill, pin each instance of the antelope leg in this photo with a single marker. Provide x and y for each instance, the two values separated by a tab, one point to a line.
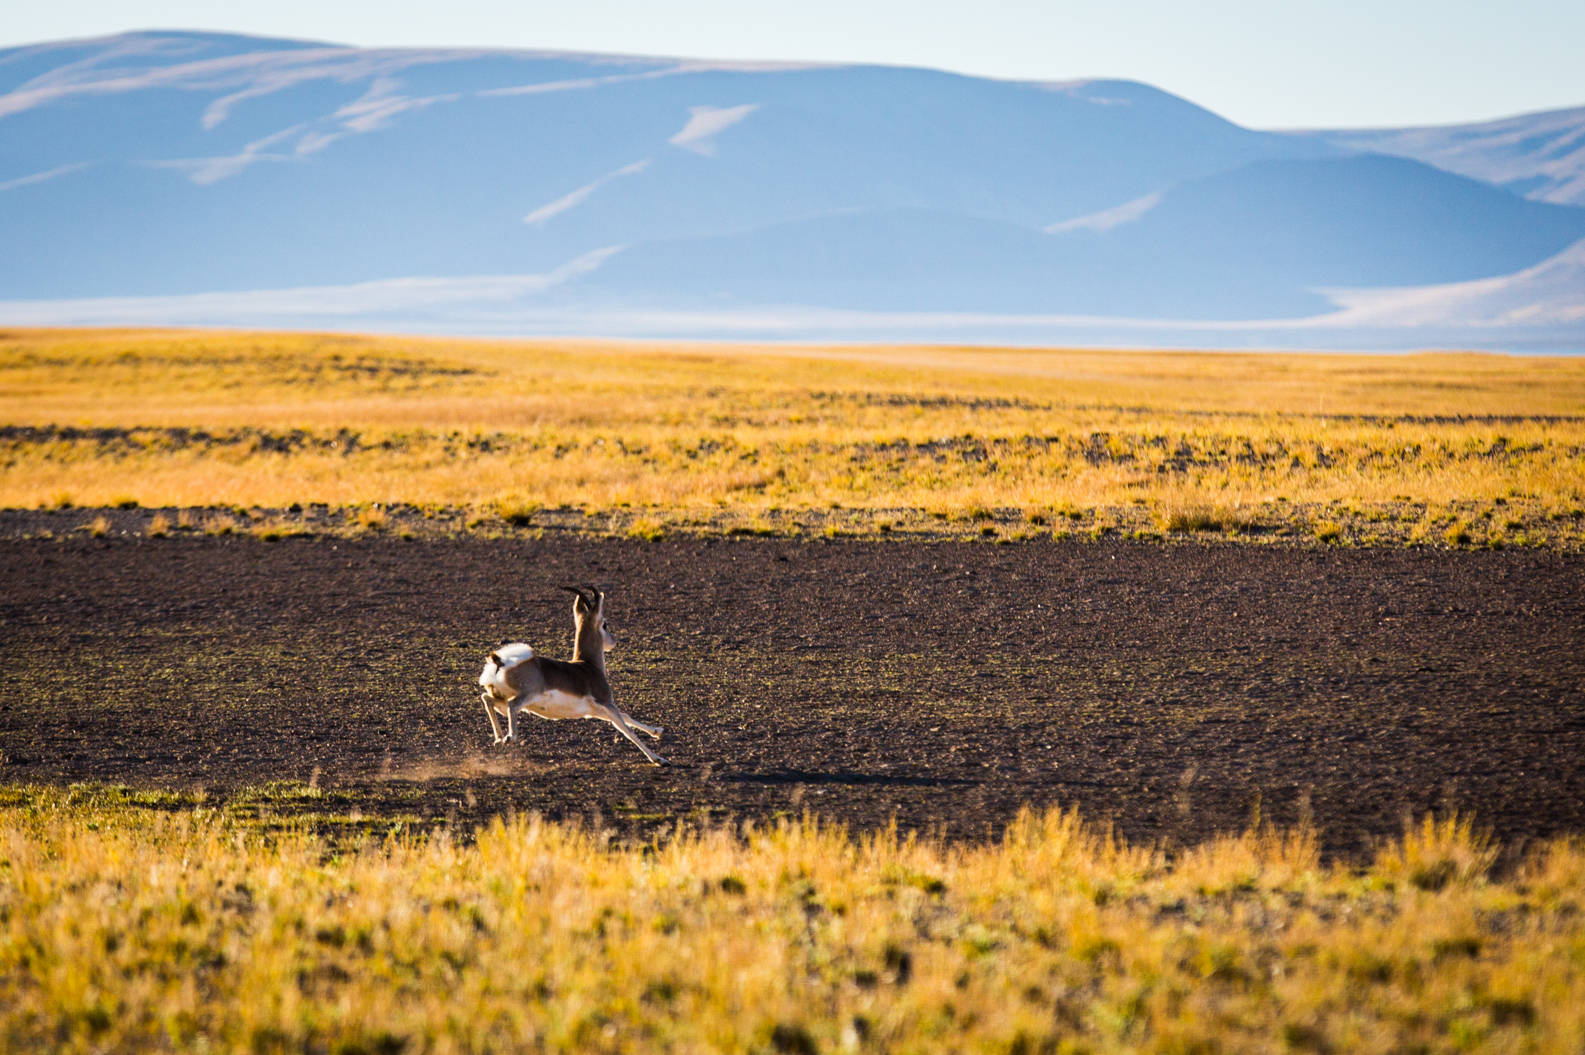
489	712
615	717
654	731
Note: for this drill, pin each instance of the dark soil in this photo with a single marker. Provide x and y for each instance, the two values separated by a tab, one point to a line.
1171	689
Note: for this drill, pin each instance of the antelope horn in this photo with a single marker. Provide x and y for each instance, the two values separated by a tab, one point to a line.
580	595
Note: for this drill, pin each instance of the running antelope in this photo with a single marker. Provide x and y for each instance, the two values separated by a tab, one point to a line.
515	679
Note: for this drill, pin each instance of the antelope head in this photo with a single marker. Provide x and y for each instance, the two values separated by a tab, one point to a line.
588	616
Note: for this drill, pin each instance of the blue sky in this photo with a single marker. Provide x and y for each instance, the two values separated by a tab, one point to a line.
1263	63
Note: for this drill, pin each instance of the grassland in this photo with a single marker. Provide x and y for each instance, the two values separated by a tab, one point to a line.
1439	449
140	921
359	918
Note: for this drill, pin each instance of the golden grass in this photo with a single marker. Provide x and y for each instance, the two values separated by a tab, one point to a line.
140	921
221	524
1386	447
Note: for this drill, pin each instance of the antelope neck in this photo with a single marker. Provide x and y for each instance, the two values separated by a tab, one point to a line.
592	651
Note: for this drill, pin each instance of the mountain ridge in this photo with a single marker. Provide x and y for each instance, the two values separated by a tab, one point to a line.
170	165
1539	155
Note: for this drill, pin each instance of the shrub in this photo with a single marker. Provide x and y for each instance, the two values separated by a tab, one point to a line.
516	510
277	530
1196	519
646	529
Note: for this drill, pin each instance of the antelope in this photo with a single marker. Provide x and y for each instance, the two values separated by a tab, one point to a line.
515	679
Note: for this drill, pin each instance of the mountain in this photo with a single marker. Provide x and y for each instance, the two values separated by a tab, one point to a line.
206	178
1547	294
338	164
1256	242
1541	156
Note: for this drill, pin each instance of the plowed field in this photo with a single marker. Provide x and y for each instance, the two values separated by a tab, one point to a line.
1173	689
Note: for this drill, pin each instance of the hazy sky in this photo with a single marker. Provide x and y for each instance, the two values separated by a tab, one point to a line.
1263	63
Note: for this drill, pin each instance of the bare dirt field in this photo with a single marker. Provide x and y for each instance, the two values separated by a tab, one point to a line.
1173	689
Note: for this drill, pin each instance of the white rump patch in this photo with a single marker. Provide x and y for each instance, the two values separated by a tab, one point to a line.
513	654
503	659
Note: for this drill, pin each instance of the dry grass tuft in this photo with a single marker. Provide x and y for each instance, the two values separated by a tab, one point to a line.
277	529
220	524
1438	851
647	528
370	518
516	510
1201	518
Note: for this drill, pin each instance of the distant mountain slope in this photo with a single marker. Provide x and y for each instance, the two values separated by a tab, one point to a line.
330	164
179	176
1547	294
98	60
1362	220
1256	242
1541	156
